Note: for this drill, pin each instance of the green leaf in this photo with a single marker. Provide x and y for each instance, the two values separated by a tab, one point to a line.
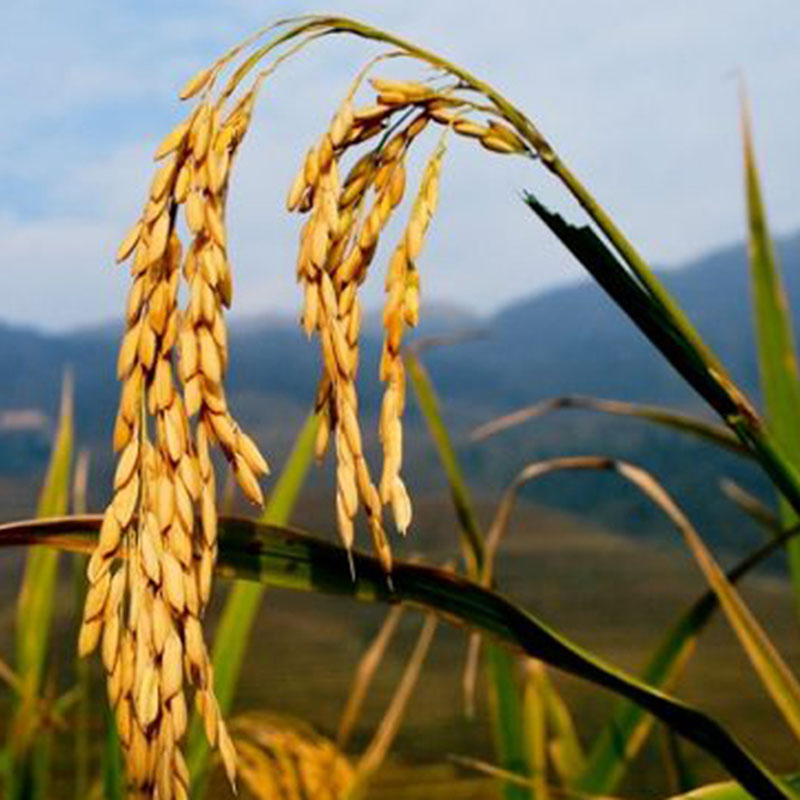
35	603
471	535
113	773
565	749
289	559
507	717
535	716
30	760
777	356
694	363
615	747
244	599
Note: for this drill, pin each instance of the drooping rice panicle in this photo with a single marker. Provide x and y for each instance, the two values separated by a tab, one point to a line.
401	310
147	613
150	576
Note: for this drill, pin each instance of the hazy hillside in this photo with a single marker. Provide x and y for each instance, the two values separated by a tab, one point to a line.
568	340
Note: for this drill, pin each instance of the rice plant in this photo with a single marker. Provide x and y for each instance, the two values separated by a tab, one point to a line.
155	549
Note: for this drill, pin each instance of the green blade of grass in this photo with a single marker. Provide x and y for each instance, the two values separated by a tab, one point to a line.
565	750
505	706
243	601
508	721
287	558
30	752
777	356
469	527
535	721
621	739
35	604
82	676
705	376
777	679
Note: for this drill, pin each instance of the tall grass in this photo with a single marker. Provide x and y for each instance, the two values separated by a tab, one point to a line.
538	751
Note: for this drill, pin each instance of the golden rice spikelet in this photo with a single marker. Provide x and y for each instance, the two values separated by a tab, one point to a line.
402	309
196	83
155	651
391	91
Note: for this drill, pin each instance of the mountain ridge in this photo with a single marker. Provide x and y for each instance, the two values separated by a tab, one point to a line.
569	339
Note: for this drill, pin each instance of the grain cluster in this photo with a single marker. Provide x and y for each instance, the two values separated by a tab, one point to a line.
338	244
284	758
151	573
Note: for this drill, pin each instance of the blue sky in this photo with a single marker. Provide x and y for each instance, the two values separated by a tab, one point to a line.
638	97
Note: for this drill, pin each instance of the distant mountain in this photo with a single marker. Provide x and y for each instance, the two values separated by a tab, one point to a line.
568	340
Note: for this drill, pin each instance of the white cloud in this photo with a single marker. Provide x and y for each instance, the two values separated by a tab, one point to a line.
637	98
57	271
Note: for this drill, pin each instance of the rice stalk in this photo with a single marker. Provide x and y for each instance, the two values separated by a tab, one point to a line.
364	673
381	742
676	420
284	758
775	675
286	558
749	504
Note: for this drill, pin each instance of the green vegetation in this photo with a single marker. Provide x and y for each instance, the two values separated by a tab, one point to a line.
539	747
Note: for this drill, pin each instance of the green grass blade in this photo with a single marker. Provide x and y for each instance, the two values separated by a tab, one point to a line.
507	715
243	601
472	537
705	376
284	557
621	739
777	356
505	708
113	773
35	603
535	723
81	733
30	759
566	750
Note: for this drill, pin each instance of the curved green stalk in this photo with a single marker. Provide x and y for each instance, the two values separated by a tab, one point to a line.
290	559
